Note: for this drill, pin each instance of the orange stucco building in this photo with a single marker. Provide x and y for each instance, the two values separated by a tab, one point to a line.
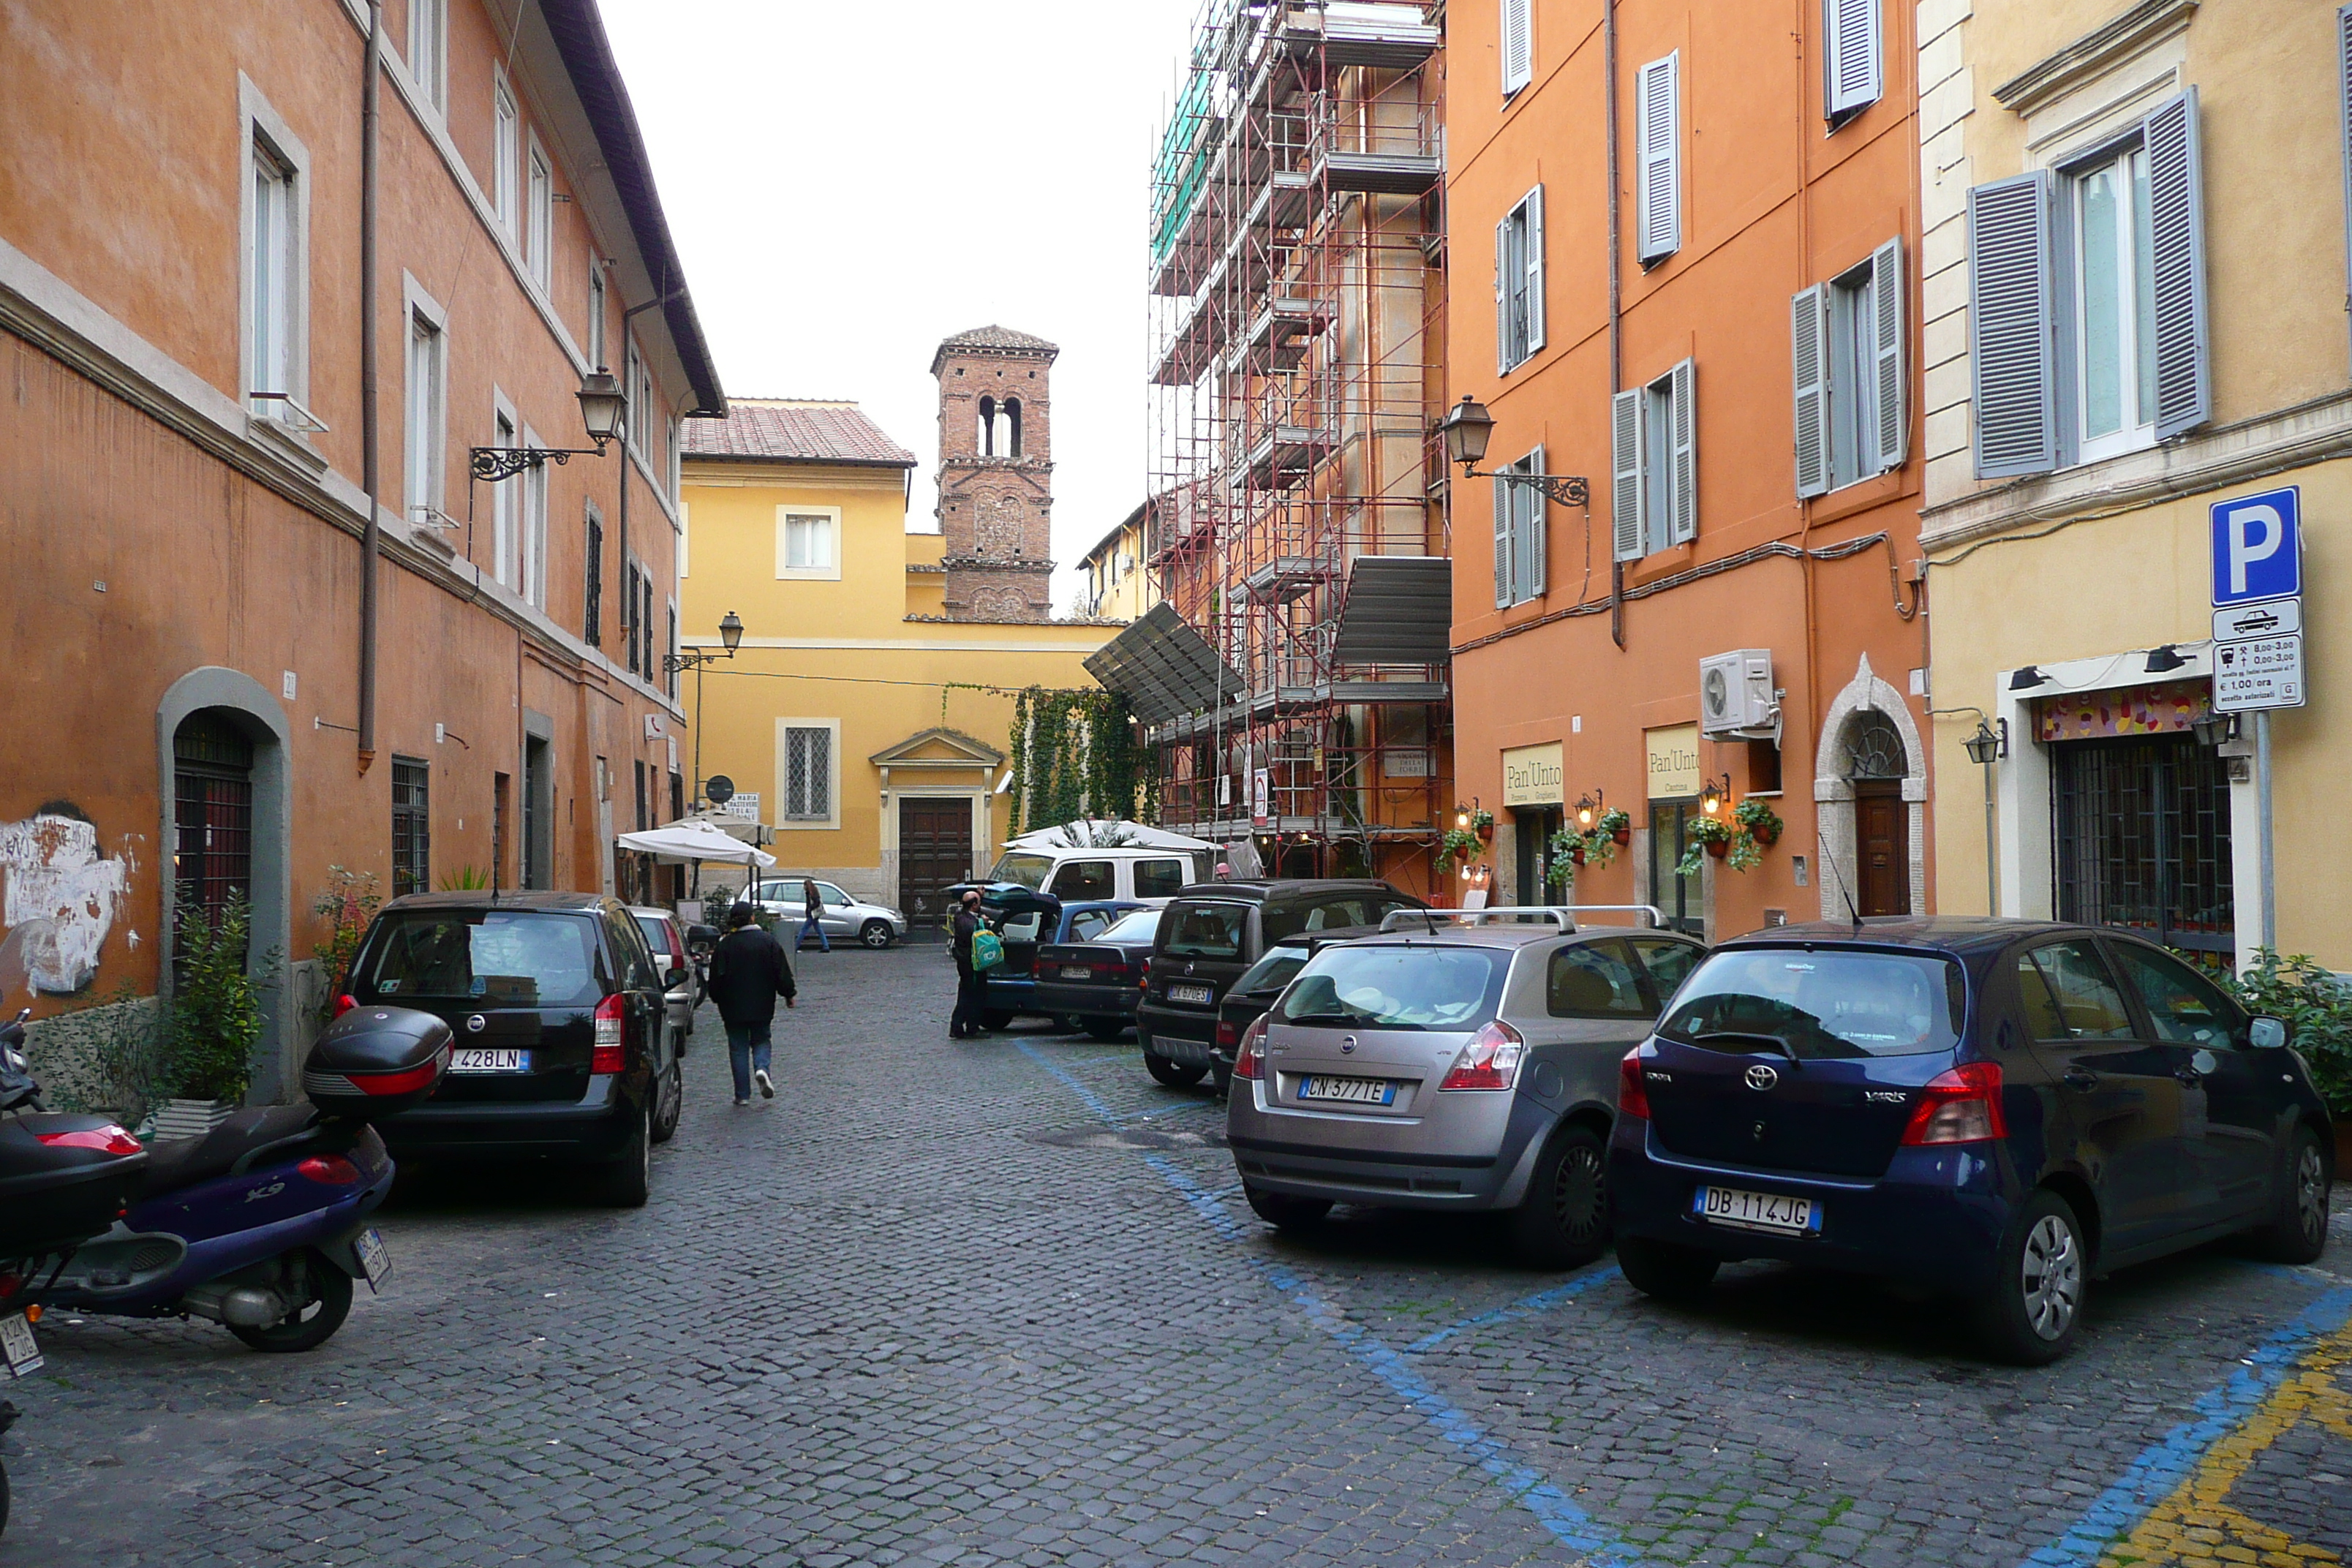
184	468
1702	221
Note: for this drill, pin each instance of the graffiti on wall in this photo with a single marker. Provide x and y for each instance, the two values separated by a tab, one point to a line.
63	891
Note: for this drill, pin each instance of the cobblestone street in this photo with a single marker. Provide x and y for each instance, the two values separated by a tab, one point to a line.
1002	1302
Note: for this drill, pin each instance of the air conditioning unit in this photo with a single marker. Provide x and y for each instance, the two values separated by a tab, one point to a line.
1735	695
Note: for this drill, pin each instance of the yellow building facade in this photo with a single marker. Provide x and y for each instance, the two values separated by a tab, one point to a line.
1116	585
859	721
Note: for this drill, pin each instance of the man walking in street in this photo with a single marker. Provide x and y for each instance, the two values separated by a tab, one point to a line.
813	920
748	972
964	1023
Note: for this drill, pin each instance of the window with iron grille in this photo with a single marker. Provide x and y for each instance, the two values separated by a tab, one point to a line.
212	815
808	774
2141	829
412	827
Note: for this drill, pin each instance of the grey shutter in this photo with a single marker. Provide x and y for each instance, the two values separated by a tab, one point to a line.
1681	401
1533	515
1808	358
1518	44
1503	360
1854	55
1625	472
2184	380
1887	354
1535	269
2011	358
1658	152
1503	595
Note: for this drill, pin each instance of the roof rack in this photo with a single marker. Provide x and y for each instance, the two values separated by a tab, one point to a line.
1563	915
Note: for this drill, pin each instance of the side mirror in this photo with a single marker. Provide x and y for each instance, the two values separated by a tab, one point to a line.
2266	1034
675	978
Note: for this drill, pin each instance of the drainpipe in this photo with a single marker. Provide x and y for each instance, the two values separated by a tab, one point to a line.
371	475
1616	303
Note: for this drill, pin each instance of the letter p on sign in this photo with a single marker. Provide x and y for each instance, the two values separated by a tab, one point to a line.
2257	547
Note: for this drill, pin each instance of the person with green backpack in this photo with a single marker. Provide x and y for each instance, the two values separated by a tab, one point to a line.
976	950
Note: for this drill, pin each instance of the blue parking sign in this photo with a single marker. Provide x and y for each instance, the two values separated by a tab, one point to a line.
2257	547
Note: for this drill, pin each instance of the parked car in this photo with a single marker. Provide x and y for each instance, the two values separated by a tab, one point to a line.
2002	1110
1211	935
1132	876
561	1011
668	942
843	919
1248	998
1471	1067
1028	924
1093	980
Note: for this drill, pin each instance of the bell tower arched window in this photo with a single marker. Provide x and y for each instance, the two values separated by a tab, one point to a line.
988	426
1010	417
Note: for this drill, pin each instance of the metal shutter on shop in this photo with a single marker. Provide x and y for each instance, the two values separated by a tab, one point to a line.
1808	358
1626	473
1658	148
1887	357
2184	382
2013	367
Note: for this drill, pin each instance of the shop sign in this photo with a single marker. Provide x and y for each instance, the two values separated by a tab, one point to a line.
2168	708
1672	762
1533	775
1260	795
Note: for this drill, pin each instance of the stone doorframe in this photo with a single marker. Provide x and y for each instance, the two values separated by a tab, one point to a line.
1833	793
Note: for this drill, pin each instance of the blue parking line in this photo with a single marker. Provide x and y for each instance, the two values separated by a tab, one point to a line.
2160	1467
1541	1301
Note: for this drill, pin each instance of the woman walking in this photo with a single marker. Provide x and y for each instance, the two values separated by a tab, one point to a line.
812	905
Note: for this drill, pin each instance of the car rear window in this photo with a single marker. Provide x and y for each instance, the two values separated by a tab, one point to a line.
1029	870
1159	878
1206	931
514	958
1140	926
1346	986
1271	972
656	931
1821	1003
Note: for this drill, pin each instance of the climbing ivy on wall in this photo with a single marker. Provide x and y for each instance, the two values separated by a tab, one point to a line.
1075	756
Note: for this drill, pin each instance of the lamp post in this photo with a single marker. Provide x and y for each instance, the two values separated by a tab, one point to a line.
730	636
1467	427
1987	746
601	410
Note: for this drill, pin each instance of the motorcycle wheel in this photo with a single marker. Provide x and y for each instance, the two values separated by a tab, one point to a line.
327	1302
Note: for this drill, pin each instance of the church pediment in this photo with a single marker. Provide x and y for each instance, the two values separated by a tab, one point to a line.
938	747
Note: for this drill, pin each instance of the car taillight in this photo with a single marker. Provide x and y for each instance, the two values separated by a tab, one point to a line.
329	1170
108	1140
1249	1057
1962	1106
1491	1059
344	1004
1632	1095
606	1055
1226	1034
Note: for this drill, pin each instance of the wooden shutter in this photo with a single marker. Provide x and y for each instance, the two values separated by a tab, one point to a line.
1626	473
1503	595
1854	55
1658	150
1808	358
1518	44
1535	269
1503	360
2011	362
2184	381
1681	401
1887	356
1533	516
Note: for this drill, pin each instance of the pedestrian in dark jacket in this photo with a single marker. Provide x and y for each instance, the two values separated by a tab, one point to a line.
970	983
748	972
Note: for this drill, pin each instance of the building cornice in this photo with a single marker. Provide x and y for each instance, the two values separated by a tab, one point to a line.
2098	50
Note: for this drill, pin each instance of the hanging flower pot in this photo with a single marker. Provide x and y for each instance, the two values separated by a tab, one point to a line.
1766	833
1718	847
1486	833
1577	854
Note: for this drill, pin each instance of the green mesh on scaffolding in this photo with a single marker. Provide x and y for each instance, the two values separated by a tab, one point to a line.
1187	148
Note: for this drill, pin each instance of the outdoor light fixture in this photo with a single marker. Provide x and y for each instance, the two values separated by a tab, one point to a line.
601	410
2029	677
731	633
1586	806
2164	657
1467	427
1711	799
1461	816
1988	744
2212	729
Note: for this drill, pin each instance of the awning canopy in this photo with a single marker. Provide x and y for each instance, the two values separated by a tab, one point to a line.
1163	668
1102	832
689	843
1400	610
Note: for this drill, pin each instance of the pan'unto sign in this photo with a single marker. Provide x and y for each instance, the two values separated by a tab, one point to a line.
1532	775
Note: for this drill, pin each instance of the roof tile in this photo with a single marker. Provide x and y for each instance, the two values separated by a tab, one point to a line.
779	430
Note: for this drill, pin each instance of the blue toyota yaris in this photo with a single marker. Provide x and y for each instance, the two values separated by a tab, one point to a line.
1999	1109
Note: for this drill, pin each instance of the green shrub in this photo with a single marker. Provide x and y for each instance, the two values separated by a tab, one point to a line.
2318	1008
347	906
215	1020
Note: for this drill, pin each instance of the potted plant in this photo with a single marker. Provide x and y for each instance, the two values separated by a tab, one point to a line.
1461	843
1483	825
2318	1008
1709	835
1758	818
1616	825
214	1023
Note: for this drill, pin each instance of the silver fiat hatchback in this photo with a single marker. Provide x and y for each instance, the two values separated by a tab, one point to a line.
1467	1068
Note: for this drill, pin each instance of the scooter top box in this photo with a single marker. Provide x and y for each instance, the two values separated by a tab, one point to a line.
374	1062
63	1179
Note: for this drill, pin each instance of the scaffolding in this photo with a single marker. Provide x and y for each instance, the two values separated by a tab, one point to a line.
1297	282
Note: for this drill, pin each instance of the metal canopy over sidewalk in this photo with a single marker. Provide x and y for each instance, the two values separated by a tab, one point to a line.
1163	668
1399	610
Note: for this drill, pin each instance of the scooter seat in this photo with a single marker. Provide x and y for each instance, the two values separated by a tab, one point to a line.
185	1161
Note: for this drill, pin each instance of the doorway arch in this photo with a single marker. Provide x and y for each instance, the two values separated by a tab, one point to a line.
1870	772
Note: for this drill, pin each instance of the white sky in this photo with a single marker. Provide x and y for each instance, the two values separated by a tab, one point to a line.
849	183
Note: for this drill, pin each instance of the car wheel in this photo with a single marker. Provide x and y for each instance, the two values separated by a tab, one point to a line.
326	1302
670	1101
628	1177
994	1021
1284	1211
1563	1223
2030	1315
875	934
1105	1029
2297	1232
1662	1269
1175	1075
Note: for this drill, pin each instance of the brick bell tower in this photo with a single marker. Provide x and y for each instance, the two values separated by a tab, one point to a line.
996	474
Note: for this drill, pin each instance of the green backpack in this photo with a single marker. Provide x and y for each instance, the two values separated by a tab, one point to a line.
987	949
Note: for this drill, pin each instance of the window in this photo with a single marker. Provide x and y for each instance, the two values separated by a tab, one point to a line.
640	385
591	619
427	416
806	543
1669	963
808	774
506	155
1654	442
212	815
1519	518
2184	1007
1594	980
1845	341
1854	59
533	579
2086	301
539	247
2140	837
629	616
505	506
1657	149
1086	879
1816	1004
685	527
643	616
1087	925
502	957
428	46
669	672
671	465
596	309
2069	995
412	827
1518	47
1519	282
1206	931
273	284
1159	878
1384	988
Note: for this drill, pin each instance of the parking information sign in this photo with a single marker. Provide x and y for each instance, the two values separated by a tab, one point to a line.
2258	603
2257	547
2264	672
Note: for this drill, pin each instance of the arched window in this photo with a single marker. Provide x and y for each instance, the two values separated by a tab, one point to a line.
1874	749
1011	446
988	426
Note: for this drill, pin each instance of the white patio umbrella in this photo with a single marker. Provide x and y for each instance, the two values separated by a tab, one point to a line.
689	843
1131	836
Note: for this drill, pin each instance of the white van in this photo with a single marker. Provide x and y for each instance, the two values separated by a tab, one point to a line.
1142	876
